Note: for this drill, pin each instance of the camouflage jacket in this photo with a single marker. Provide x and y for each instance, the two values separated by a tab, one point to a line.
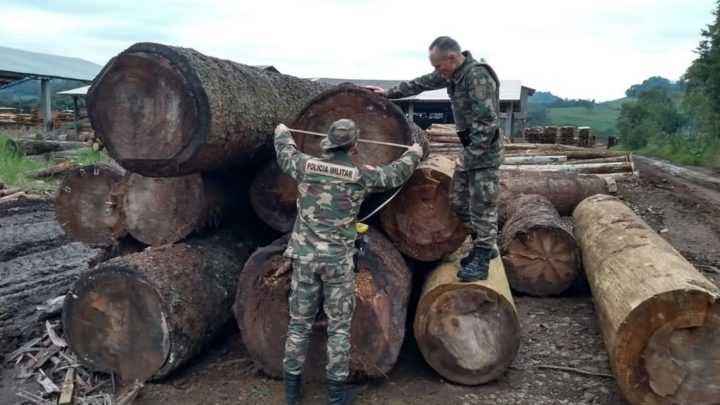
474	96
330	191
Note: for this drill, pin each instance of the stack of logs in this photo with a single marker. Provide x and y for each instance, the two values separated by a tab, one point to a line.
550	135
174	296
567	136
443	139
584	136
533	134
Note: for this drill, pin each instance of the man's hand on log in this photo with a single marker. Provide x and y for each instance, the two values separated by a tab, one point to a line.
280	129
416	148
459	165
375	89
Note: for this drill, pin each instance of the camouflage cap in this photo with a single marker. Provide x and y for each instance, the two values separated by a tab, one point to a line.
342	132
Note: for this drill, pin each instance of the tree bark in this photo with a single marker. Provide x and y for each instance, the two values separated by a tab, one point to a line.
88	205
162	210
469	333
534	160
660	317
382	289
564	191
273	193
538	248
143	315
50	171
571	154
169	111
419	219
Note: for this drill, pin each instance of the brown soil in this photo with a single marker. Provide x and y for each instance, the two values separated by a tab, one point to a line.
560	331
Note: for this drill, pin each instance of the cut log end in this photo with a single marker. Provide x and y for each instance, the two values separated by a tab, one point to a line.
161	210
272	195
542	261
117	324
86	206
144	95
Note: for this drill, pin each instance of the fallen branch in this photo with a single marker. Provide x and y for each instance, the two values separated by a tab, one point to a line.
51	171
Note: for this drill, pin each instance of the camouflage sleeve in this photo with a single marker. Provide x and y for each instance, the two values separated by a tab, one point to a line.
289	158
430	81
380	178
485	105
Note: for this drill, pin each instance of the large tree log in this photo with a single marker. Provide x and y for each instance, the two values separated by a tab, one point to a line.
571	154
660	317
162	210
141	316
40	146
169	111
587	168
538	248
469	333
534	160
50	171
564	191
273	193
382	289
88	205
419	219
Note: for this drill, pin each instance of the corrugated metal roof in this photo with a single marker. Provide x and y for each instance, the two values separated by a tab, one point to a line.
16	64
510	90
80	91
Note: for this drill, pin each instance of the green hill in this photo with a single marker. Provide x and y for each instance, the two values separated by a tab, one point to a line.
601	118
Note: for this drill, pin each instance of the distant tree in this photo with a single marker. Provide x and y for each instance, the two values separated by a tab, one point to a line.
653	115
654	82
543	97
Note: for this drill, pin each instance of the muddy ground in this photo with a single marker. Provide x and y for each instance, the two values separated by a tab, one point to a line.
561	331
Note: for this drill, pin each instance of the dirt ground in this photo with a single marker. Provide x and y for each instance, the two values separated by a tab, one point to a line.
557	332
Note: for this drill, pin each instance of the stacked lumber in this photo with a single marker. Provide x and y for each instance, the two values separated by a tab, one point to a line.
92	141
443	139
567	135
533	134
584	136
550	135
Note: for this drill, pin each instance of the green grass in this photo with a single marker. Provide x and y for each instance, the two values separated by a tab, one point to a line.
601	118
88	156
13	165
687	152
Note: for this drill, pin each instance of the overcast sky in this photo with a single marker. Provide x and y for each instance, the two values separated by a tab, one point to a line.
574	48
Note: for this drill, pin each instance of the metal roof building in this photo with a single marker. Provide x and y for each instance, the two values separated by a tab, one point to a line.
513	102
17	66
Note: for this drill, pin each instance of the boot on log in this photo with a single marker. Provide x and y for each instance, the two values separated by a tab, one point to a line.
469	333
382	290
419	220
141	316
660	317
88	205
563	190
162	210
538	248
167	111
274	193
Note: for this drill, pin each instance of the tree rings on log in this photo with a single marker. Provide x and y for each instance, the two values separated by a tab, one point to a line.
660	317
88	206
419	220
382	288
469	333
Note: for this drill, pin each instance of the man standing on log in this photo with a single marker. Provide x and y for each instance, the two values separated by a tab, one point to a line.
473	89
330	191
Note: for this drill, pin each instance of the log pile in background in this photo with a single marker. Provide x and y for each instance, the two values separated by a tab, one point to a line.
533	134
91	140
469	333
382	289
550	135
443	139
568	159
567	136
538	247
584	136
660	317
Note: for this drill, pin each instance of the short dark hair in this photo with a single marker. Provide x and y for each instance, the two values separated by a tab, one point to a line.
445	45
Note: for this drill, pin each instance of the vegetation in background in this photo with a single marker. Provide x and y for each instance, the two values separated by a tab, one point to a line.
88	156
12	166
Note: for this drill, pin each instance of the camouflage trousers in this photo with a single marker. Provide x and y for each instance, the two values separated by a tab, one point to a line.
335	284
473	198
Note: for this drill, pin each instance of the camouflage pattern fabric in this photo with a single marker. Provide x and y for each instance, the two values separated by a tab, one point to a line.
330	191
474	96
336	284
473	198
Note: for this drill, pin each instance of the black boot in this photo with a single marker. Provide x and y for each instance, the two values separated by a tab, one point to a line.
293	389
465	260
339	393
477	268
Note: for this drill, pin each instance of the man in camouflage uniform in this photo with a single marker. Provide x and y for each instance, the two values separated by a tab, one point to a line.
330	191
473	89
